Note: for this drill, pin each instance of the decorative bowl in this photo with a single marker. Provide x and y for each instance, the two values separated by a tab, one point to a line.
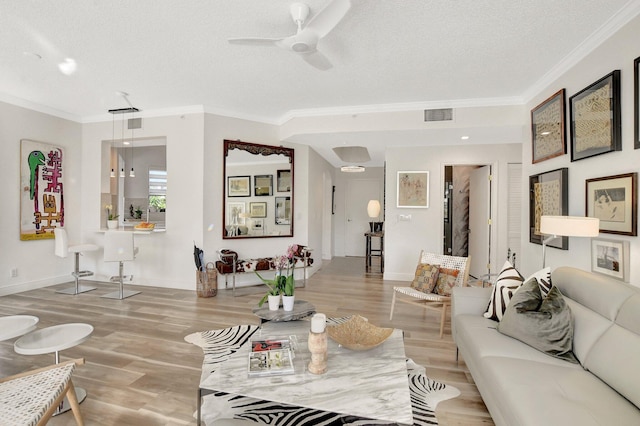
358	334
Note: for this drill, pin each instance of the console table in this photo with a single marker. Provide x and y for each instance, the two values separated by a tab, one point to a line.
371	252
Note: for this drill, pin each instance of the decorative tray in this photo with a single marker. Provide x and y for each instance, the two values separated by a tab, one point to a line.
358	334
144	226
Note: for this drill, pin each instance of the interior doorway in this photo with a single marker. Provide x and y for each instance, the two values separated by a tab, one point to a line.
467	215
359	192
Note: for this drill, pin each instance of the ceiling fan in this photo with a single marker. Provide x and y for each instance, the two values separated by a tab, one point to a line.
305	41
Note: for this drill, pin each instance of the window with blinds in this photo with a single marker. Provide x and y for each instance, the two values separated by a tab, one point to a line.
158	189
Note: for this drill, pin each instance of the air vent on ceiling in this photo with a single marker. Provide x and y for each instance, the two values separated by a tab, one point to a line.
440	114
134	123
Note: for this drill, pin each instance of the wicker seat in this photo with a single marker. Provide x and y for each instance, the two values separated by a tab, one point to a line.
31	398
433	301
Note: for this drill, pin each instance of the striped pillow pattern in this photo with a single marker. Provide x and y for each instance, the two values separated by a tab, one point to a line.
507	283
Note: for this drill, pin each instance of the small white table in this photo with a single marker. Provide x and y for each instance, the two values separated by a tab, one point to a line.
16	325
54	339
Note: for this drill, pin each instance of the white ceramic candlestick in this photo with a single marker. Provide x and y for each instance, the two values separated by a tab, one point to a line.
318	344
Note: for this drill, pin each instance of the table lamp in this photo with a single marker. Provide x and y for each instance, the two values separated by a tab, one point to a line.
567	226
373	210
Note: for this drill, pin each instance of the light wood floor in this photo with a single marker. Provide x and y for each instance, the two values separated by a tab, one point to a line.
140	371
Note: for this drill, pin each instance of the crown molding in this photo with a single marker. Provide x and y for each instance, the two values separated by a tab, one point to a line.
608	29
23	103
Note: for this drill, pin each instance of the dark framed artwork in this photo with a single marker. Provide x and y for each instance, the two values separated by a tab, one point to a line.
283	210
636	98
258	209
239	186
595	118
613	200
284	181
262	185
547	128
548	195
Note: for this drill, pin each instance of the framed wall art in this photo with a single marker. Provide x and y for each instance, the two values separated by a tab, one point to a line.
548	195
547	128
258	209
613	200
283	210
41	190
595	118
413	189
239	186
611	258
257	225
262	185
636	98
235	212
284	181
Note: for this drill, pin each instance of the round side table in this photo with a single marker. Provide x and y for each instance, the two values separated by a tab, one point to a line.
53	340
301	309
16	325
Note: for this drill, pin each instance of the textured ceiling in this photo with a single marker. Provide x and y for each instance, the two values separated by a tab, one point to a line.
172	54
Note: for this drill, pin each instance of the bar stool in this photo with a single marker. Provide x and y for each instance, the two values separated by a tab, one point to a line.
118	247
62	249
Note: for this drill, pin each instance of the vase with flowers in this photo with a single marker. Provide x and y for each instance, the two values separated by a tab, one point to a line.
283	284
112	219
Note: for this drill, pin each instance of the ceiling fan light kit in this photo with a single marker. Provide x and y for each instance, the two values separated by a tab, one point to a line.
304	42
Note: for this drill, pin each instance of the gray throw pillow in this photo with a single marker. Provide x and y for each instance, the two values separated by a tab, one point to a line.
544	323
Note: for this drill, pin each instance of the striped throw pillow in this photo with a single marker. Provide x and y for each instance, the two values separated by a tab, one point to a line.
507	283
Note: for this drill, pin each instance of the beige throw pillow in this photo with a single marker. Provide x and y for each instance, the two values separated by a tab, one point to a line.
426	277
446	281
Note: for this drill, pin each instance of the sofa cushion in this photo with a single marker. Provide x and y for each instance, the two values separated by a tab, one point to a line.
426	277
533	394
507	283
542	323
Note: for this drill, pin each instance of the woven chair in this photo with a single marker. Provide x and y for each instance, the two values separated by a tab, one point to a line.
433	301
32	397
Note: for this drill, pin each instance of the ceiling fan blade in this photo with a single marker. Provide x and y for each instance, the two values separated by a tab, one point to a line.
255	41
325	20
317	60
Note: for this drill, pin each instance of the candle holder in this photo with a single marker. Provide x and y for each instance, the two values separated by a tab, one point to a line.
318	349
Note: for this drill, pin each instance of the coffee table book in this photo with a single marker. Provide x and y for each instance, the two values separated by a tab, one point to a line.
271	357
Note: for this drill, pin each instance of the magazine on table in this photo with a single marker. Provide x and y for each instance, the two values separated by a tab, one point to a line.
271	356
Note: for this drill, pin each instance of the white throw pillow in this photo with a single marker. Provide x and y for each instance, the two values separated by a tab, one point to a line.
507	283
543	278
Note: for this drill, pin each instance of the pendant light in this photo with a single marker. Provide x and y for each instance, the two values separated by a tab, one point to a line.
122	144
113	124
132	173
123	111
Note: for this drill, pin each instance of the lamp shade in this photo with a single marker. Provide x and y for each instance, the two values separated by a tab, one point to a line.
373	208
570	226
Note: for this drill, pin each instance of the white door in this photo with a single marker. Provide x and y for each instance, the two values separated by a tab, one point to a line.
479	224
359	192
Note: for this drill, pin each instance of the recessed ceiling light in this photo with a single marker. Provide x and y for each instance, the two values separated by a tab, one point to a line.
545	133
68	66
464	138
352	169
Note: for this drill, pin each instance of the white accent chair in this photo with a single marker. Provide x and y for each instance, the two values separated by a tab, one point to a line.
119	247
62	249
434	301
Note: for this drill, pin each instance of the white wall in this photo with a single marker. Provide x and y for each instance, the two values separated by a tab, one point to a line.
405	239
37	265
618	52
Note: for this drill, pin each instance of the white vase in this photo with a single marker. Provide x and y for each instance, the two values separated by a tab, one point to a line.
112	224
287	302
274	302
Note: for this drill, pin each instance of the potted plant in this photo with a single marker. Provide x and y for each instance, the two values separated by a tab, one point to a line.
273	295
283	282
112	219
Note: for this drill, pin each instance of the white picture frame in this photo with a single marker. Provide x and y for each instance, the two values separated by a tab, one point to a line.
413	189
610	258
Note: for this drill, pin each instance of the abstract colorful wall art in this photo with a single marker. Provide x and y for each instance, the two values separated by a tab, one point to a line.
41	190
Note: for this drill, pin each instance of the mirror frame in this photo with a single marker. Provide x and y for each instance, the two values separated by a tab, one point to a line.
256	149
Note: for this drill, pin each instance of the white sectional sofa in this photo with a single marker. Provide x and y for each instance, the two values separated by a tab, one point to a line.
523	386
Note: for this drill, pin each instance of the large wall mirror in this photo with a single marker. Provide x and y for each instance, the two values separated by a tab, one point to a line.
141	197
258	191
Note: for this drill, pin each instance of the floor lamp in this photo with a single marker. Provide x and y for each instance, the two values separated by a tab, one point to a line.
566	226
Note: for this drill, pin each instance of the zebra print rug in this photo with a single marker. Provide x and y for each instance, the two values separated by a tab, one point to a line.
218	345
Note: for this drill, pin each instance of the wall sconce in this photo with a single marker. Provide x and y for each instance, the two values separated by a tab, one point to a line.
567	226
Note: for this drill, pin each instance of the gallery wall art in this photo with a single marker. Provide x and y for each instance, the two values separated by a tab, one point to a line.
41	190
